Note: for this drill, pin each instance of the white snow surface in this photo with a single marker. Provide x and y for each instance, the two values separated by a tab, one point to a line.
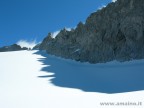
114	0
20	87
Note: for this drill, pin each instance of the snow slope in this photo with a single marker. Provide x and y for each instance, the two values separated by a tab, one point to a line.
21	86
112	77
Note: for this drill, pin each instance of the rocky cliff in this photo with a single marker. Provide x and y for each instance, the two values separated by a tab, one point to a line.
13	47
115	32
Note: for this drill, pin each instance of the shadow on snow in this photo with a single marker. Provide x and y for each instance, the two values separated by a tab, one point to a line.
103	78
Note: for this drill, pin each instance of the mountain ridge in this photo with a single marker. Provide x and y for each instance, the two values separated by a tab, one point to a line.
13	47
115	32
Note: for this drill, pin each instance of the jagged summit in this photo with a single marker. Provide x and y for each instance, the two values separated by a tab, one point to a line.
115	32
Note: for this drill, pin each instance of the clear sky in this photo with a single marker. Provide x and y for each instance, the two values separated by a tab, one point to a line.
33	19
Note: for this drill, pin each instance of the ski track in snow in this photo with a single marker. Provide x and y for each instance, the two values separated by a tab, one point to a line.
20	86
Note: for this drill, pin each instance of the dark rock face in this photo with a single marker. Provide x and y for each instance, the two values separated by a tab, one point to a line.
114	33
36	47
13	47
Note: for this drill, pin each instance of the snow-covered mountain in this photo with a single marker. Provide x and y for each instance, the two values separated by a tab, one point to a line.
36	79
32	79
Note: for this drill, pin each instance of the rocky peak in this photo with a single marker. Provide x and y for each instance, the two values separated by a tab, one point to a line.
115	32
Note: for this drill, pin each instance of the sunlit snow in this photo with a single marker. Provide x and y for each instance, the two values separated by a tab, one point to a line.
20	86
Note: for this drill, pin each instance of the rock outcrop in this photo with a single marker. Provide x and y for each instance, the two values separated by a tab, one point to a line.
115	32
13	47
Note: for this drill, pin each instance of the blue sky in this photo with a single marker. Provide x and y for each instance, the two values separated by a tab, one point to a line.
33	19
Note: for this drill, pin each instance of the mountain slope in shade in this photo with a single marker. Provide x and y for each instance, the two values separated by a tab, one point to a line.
20	86
115	32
